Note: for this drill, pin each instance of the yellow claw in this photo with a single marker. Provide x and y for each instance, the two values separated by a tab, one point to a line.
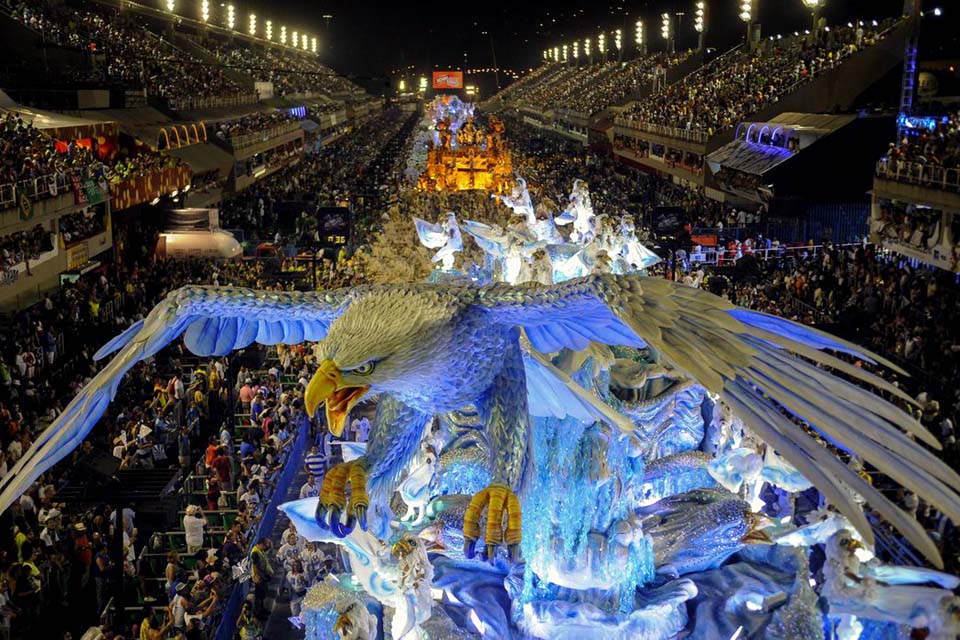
333	498
498	500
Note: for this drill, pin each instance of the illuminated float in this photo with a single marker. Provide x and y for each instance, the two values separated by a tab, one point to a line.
459	154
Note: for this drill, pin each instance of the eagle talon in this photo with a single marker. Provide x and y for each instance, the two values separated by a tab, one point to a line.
499	501
333	498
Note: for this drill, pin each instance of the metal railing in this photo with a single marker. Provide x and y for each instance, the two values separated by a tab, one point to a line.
689	135
919	173
248	139
213	102
39	188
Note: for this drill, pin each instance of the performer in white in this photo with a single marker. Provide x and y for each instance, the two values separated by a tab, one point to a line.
580	213
445	237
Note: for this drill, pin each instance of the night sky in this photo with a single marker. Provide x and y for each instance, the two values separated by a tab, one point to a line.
370	39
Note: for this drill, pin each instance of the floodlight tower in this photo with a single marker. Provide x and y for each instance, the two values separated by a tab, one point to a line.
814	6
638	38
618	43
666	31
746	14
700	23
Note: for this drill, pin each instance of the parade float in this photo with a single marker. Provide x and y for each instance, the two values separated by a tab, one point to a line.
453	152
578	451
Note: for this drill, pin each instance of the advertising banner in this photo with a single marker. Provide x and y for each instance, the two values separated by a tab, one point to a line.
448	80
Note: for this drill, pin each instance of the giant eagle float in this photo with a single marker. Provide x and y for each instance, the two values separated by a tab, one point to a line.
429	348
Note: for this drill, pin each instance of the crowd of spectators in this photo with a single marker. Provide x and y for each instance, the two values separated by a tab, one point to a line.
81	225
290	71
257	122
923	153
27	153
593	87
19	246
134	54
745	81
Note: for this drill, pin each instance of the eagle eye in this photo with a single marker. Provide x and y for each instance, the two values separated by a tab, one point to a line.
365	369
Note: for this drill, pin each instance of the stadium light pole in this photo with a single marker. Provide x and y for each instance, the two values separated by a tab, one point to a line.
283	35
638	38
700	23
231	17
618	43
564	48
576	52
252	24
666	30
587	51
746	14
269	30
205	11
814	6
602	46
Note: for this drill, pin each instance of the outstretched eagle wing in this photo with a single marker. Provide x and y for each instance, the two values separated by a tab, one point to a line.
212	320
765	368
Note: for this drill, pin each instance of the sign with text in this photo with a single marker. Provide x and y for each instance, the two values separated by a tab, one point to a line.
448	80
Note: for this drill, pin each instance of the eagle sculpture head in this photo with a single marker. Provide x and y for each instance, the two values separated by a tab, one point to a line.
390	340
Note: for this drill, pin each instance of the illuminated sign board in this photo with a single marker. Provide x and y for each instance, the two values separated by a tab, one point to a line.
448	80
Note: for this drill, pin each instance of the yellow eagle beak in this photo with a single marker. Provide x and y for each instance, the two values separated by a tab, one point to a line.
327	387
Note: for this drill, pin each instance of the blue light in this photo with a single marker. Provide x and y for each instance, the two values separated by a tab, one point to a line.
916	122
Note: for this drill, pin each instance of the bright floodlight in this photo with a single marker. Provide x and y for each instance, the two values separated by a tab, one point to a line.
305	42
586	47
545	55
813	4
269	30
170	5
602	43
231	17
576	49
746	10
665	26
556	54
403	85
698	23
564	47
618	39
423	80
205	10
252	26
295	40
313	45
283	35
638	33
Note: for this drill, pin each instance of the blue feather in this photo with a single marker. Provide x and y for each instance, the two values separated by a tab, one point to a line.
794	331
119	341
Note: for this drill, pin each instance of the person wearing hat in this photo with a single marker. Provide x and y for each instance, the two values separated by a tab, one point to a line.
50	534
193	524
179	607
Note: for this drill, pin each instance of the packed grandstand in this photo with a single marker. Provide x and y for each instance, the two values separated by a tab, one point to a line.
312	177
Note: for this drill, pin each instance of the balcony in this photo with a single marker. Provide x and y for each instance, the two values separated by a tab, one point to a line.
920	183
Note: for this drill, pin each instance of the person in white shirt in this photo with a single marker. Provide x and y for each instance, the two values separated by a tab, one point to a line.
193	524
289	550
251	497
310	488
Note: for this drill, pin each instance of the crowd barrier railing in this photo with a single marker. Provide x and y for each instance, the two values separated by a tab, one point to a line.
688	135
919	173
247	139
213	102
227	628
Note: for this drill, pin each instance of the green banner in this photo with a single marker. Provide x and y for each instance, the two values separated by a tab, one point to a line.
94	191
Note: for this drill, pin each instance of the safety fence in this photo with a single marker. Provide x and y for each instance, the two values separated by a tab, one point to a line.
688	135
227	628
245	140
213	102
919	173
41	187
